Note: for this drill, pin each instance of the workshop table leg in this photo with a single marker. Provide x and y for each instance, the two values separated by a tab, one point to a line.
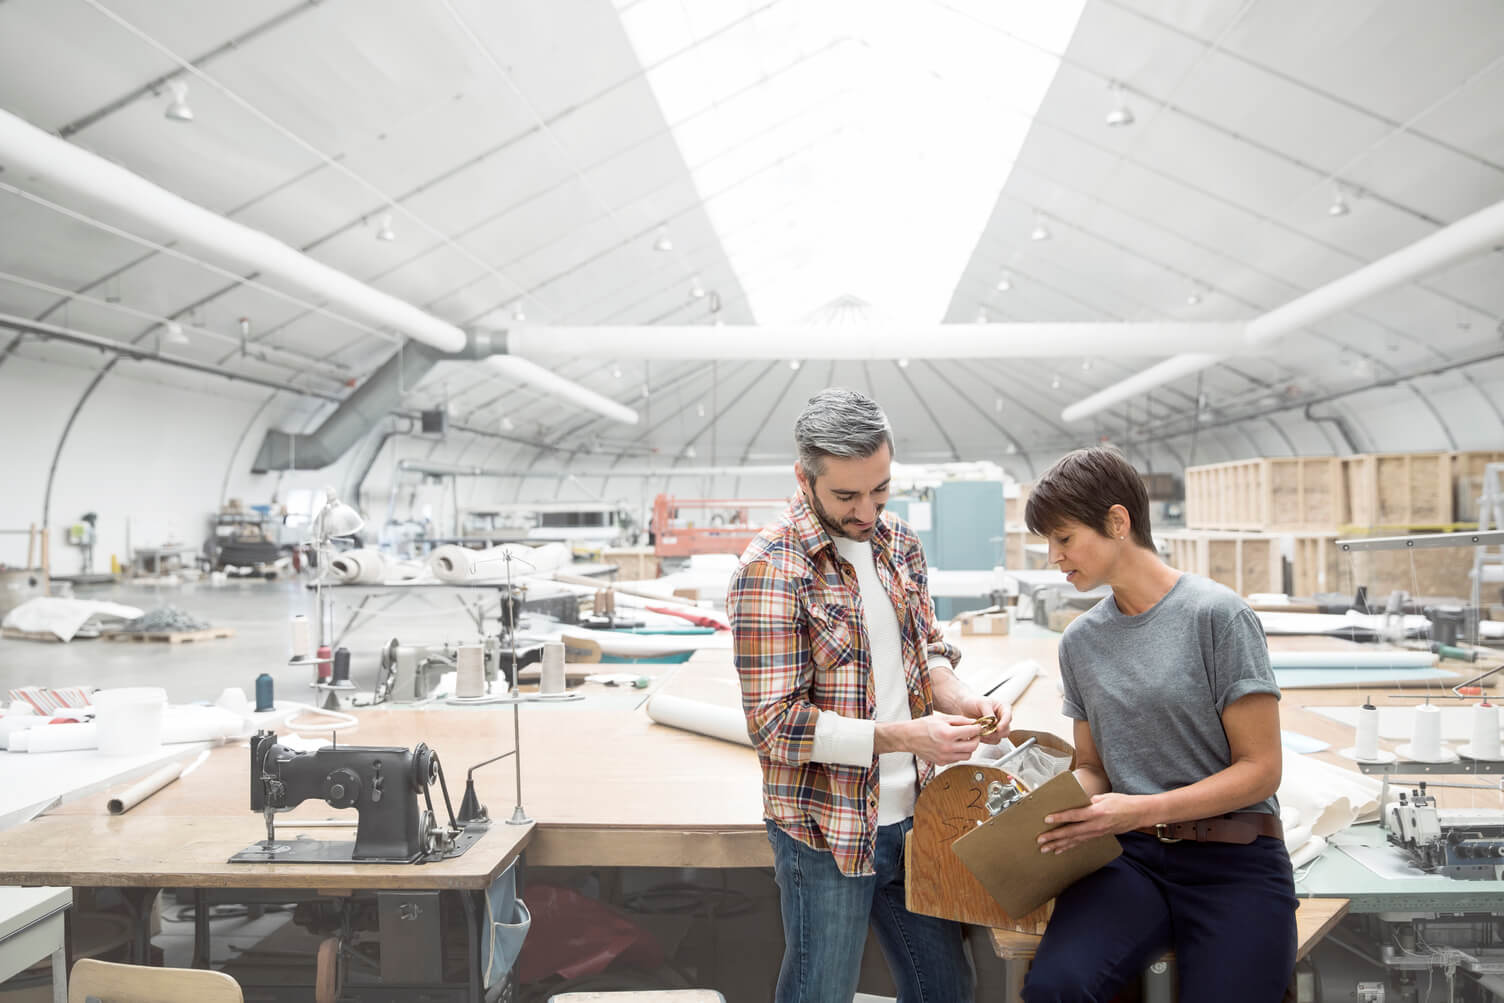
201	950
60	975
474	916
140	900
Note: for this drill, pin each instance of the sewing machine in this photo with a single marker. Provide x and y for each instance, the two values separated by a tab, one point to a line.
1454	843
381	783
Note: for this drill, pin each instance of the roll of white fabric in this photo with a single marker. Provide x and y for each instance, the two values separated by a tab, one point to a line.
713	720
1351	659
456	564
179	725
55	738
359	567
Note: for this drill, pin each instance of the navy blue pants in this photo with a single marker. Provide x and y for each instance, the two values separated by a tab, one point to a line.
1228	910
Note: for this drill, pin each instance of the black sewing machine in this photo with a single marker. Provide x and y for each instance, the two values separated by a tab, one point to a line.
381	783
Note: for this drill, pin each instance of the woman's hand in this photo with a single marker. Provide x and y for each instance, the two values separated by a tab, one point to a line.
1107	815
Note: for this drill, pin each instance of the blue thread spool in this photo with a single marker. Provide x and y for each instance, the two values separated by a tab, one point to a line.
264	691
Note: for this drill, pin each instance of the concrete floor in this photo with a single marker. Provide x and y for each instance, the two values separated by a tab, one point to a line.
260	613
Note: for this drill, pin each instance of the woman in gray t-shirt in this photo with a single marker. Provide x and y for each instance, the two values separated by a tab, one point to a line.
1177	741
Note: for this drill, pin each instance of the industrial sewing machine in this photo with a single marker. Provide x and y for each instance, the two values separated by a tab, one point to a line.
381	783
1455	843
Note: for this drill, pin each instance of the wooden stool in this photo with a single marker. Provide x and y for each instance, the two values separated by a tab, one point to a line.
643	996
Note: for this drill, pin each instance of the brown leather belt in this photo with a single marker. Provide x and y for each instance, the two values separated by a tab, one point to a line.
1236	827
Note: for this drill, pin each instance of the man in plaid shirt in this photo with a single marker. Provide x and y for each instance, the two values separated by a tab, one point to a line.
851	701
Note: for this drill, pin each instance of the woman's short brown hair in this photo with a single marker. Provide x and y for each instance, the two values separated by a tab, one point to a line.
1082	487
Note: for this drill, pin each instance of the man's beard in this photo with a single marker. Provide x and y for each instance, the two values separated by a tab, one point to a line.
834	527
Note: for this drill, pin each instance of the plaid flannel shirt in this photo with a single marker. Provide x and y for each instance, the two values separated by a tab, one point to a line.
801	647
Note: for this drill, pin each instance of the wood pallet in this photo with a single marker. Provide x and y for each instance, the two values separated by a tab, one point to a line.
46	636
170	636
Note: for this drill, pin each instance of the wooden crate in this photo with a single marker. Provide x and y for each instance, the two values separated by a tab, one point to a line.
1015	555
634	564
1316	565
1467	482
1244	562
1398	490
1013	508
1425	572
1267	494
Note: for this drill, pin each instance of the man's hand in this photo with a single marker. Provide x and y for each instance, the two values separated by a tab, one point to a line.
976	708
937	738
1107	815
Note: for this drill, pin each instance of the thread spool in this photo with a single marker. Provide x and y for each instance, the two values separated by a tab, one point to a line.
553	668
1367	748
341	665
1425	741
470	674
302	637
1485	743
264	694
325	669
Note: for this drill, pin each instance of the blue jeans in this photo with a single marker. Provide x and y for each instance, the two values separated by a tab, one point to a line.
825	920
1228	910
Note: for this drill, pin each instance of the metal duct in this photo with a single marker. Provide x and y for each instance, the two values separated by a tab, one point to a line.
1474	234
875	341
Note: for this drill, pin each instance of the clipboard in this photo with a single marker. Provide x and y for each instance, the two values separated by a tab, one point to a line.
1003	852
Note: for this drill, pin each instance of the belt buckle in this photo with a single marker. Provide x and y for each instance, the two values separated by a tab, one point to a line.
1161	830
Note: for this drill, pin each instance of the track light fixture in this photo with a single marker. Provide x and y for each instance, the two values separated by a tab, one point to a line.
1055	381
385	232
1040	231
177	109
1339	206
172	334
1004	283
903	363
518	314
662	242
1118	113
982	317
1193	298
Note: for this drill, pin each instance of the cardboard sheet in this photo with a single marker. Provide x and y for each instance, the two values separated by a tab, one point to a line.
1004	855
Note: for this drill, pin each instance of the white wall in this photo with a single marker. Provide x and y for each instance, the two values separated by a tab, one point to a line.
148	452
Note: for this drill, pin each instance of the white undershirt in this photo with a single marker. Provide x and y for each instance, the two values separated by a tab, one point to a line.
849	741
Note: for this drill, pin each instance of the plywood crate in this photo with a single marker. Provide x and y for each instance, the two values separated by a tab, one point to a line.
1244	562
1014	506
1398	490
1316	565
1015	555
1467	482
1267	494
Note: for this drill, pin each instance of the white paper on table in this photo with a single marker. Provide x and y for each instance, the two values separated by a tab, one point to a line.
1387	862
1296	742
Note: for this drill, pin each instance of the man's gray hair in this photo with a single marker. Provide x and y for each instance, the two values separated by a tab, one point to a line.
839	422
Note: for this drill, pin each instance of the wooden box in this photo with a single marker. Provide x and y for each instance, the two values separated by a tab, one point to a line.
1316	565
1245	562
1017	556
1268	494
1395	492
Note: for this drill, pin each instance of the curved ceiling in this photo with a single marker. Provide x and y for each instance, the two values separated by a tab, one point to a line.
655	162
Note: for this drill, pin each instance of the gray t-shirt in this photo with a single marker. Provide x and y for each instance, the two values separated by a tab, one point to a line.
1153	686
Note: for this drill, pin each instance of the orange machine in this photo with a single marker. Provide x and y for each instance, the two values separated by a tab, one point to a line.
685	526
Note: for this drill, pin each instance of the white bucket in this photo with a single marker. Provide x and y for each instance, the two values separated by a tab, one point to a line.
129	720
